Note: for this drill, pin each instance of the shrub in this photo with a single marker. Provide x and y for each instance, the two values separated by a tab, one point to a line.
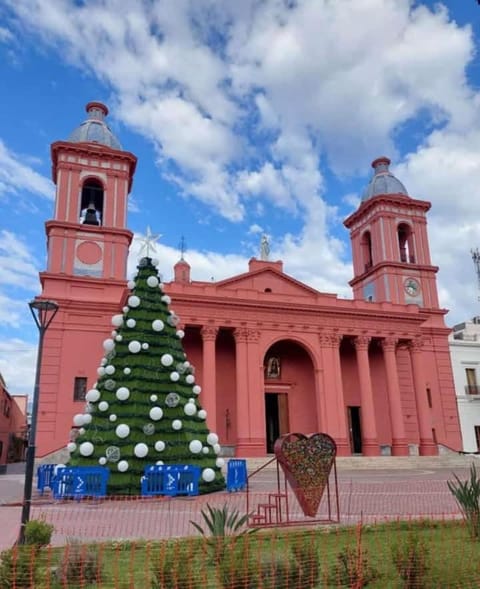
236	569
306	556
467	495
174	568
79	564
38	533
411	561
19	568
353	568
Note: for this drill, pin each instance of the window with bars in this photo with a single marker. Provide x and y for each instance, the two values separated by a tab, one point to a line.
471	388
79	388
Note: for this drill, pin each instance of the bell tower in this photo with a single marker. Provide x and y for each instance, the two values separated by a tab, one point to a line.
391	257
87	249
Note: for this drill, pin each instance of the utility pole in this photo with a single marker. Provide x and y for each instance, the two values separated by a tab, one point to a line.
476	257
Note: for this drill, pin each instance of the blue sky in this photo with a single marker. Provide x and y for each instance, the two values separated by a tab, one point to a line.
247	117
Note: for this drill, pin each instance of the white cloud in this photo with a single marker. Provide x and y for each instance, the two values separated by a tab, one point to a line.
17	364
18	266
16	177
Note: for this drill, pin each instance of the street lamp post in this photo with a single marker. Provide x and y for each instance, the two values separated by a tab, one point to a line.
43	313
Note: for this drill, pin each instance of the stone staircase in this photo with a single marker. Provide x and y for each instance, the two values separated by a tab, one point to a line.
447	461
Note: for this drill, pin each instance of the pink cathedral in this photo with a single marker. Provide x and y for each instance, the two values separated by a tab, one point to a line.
273	355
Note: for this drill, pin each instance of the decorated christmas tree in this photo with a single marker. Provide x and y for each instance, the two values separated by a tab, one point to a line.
145	408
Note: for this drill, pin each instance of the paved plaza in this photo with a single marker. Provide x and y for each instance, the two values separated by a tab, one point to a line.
364	495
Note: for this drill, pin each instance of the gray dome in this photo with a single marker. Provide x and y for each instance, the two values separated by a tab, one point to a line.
383	181
95	129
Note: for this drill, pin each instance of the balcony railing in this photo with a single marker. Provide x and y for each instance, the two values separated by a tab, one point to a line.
472	389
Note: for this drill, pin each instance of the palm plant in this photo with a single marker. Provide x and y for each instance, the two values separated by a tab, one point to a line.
221	524
467	495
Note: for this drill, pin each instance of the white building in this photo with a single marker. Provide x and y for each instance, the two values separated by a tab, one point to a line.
465	354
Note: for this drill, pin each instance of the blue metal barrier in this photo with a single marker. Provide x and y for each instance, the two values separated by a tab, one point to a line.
170	480
236	475
80	481
45	474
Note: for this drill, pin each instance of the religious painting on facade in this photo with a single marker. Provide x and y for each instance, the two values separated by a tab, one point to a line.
273	367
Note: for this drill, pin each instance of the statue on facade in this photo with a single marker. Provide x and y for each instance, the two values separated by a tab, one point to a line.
264	248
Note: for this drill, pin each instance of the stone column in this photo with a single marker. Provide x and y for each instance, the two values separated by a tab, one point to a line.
242	399
369	427
427	446
399	441
330	400
256	396
208	395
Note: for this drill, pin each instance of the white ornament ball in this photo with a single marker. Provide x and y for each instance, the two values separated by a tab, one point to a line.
180	334
166	359
152	281
103	406
81	431
117	320
208	475
114	333
108	345
127	370
220	462
87	418
212	439
122	430
103	361
140	450
113	417
71	446
118	338
195	446
133	301
197	389
86	448
100	371
160	446
131	323
102	461
158	325
206	450
126	309
156	413
145	346
176	424
92	396
159	462
155	262
134	347
166	299
122	466
217	448
153	398
186	364
189	379
190	409
122	394
110	369
202	414
78	419
131	284
191	400
174	376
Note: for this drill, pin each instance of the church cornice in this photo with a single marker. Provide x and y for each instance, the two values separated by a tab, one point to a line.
91	230
393	264
404	203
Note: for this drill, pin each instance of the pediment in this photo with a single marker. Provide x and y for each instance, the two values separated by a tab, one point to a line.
268	280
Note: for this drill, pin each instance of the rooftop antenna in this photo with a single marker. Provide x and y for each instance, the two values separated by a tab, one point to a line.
476	262
183	247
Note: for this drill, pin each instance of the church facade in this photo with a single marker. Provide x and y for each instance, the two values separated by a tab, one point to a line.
273	355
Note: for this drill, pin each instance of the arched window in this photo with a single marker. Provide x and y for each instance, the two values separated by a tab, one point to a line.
405	243
91	202
366	245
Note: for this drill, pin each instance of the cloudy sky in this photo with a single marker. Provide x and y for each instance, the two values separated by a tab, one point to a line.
247	117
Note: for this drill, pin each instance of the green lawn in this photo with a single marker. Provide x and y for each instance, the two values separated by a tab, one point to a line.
450	557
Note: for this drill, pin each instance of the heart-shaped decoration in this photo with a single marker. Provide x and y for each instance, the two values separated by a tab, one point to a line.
306	462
